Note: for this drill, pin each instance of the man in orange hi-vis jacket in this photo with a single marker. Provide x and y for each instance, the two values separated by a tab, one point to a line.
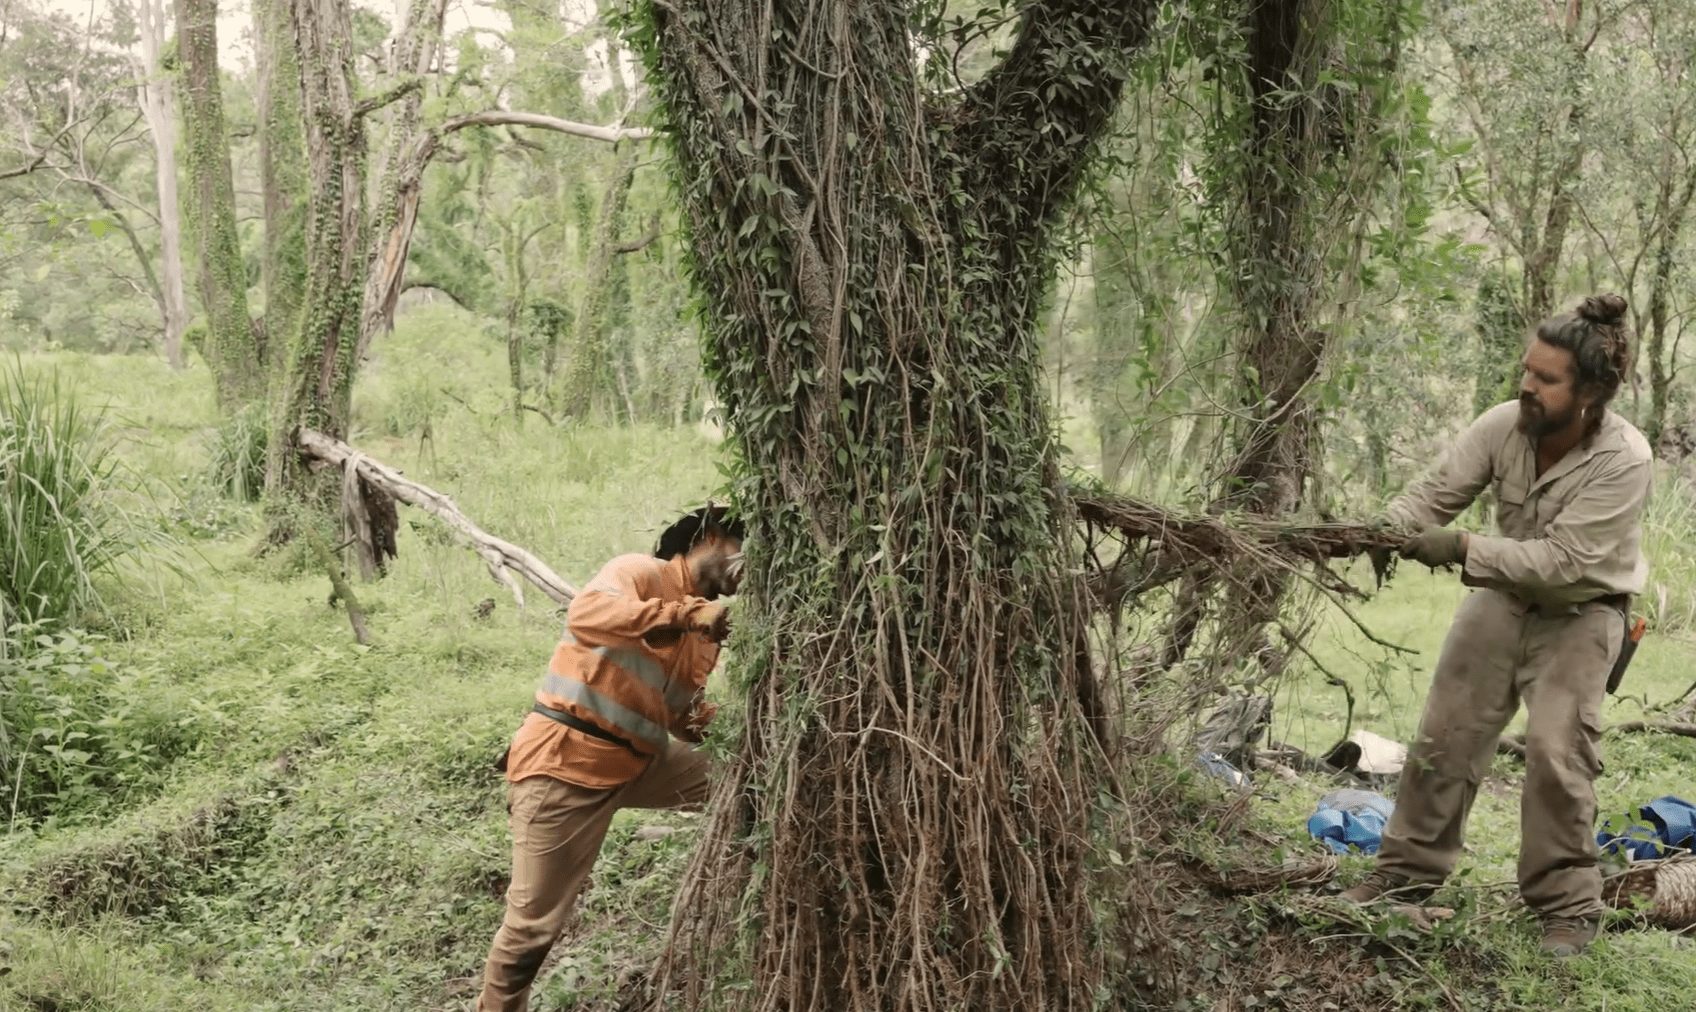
628	674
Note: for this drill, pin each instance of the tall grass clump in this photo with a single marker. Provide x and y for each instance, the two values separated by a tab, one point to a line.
236	457
1669	529
60	526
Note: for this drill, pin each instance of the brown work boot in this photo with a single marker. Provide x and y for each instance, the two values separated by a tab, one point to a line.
1565	937
1387	885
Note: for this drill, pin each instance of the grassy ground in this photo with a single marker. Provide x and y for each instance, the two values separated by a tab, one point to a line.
328	834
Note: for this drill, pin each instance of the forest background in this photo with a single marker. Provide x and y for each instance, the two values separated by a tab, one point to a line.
915	284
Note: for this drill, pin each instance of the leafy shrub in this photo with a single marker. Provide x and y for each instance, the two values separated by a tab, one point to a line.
77	732
60	524
236	464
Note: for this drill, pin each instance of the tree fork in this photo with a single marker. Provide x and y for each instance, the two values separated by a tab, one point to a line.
907	819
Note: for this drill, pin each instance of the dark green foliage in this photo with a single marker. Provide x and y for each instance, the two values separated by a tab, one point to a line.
78	736
61	527
1501	329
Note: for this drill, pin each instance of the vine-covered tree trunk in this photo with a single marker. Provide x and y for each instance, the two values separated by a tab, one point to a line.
159	108
1115	309
282	176
907	818
1654	344
318	382
590	381
229	345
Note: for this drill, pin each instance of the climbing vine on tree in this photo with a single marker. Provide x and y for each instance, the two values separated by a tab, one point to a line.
871	242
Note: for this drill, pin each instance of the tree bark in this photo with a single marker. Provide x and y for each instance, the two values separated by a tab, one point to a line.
906	821
400	175
590	384
317	387
159	108
230	347
282	177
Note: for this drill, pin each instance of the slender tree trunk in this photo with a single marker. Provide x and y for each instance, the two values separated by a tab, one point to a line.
1115	310
230	345
142	256
159	109
590	383
407	149
906	821
282	177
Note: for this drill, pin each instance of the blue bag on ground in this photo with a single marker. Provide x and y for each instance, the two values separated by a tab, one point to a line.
1662	823
1351	820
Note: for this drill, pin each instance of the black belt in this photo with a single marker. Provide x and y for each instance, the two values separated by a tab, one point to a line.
587	728
1619	601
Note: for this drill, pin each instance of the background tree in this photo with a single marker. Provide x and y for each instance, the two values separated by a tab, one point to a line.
155	96
230	343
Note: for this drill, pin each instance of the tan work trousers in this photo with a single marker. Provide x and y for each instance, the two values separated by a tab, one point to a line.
557	829
1498	652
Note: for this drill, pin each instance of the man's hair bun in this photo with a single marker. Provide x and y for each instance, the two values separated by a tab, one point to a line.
1605	310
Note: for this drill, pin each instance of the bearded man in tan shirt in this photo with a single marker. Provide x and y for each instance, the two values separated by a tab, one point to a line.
1544	626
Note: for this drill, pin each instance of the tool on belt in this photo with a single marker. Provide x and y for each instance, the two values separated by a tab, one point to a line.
1635	627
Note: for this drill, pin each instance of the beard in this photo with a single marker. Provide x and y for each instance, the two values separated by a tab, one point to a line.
1534	419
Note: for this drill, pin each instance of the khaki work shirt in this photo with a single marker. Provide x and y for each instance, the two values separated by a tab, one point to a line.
1572	535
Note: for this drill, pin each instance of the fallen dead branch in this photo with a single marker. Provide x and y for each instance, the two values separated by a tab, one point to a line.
503	558
340	589
1250	880
1655	726
1514	744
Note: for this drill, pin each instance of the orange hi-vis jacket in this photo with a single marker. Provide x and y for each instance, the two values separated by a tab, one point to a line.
626	664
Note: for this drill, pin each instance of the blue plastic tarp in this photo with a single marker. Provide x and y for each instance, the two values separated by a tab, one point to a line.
1666	822
1351	820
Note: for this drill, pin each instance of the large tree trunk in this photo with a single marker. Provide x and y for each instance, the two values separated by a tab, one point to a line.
158	107
230	346
318	384
906	821
282	177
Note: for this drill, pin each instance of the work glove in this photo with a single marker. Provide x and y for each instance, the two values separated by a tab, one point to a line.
712	621
1436	547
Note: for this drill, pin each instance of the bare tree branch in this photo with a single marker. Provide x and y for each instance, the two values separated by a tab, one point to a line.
503	117
502	557
642	241
367	106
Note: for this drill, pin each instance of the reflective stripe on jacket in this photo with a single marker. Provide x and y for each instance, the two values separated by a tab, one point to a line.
625	663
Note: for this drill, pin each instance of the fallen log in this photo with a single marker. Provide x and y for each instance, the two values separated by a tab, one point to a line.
502	557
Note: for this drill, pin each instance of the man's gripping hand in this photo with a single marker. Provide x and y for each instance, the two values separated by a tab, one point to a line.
1436	547
712	621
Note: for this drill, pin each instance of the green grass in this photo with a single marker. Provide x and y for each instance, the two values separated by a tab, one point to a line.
323	830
